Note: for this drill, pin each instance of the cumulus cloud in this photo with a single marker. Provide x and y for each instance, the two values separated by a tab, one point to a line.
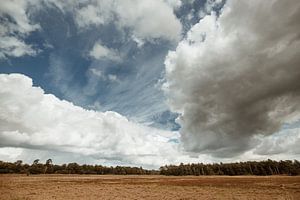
141	16
100	51
31	119
236	77
15	26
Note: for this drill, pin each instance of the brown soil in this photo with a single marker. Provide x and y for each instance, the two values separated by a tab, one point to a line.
147	187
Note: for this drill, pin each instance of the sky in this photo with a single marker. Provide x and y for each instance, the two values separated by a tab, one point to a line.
149	82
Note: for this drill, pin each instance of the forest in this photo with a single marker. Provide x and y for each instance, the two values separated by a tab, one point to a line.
260	168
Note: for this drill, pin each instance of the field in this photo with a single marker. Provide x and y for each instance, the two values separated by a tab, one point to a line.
147	187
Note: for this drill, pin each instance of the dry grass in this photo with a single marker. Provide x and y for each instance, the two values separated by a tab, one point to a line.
147	187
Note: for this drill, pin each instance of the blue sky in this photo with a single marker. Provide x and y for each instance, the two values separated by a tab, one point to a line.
176	68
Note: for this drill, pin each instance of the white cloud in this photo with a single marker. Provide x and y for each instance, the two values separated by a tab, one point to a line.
141	16
100	51
31	119
15	26
236	76
13	47
144	16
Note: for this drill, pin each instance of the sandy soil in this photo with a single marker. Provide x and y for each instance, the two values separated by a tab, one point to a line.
147	187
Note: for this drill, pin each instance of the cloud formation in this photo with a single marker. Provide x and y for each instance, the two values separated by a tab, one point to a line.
140	16
38	125
31	119
236	76
144	16
100	51
14	27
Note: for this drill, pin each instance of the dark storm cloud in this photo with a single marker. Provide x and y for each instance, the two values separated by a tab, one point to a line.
237	76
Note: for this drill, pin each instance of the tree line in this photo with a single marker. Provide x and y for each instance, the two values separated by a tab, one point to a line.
261	168
71	168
